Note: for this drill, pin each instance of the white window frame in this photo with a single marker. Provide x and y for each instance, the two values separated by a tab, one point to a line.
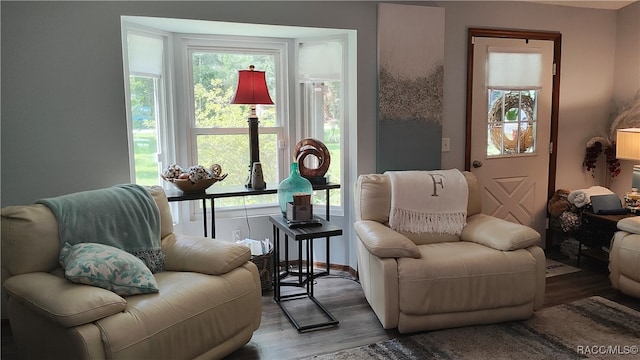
164	107
187	132
308	126
279	49
177	140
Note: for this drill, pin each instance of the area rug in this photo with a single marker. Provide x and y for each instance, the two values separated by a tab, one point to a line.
556	268
592	328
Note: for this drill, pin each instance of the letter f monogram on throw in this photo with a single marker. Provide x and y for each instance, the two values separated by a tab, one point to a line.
439	181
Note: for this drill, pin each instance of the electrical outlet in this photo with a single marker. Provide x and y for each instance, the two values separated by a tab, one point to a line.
446	144
236	234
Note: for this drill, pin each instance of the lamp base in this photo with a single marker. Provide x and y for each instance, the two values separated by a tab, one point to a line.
248	185
257	181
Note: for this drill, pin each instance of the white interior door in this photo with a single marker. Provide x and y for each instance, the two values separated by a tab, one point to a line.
510	141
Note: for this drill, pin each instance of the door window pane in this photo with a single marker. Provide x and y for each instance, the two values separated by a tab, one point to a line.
512	120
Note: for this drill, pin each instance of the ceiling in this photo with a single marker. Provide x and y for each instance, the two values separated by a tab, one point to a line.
610	5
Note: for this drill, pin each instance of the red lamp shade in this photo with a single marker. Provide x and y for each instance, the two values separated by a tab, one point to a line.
252	88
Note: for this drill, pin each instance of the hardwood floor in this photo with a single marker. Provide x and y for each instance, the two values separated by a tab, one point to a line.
591	280
278	339
342	295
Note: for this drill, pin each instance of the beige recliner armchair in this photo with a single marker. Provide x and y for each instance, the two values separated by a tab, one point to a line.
624	257
493	272
208	305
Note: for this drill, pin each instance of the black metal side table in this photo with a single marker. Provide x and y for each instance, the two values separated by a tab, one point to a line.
305	278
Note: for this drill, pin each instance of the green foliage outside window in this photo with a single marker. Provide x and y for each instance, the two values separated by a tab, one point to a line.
145	135
215	77
214	81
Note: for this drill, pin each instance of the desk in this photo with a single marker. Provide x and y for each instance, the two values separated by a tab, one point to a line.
596	233
305	279
217	192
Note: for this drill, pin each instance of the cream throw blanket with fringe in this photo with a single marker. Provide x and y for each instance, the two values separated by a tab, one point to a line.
428	201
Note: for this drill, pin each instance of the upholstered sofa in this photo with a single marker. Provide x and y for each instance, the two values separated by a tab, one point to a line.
624	257
208	304
494	271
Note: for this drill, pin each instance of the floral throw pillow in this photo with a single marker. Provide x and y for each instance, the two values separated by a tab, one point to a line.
106	267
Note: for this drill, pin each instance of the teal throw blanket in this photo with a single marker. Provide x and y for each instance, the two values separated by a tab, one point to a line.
123	216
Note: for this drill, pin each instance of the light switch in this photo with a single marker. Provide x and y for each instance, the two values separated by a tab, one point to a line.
446	142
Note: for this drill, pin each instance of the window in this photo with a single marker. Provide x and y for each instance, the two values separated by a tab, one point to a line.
513	81
180	113
323	115
512	122
321	76
219	129
146	111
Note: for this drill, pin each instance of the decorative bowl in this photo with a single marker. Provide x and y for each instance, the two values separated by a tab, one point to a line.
185	185
204	177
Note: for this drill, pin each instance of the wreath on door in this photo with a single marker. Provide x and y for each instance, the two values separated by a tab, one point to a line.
512	102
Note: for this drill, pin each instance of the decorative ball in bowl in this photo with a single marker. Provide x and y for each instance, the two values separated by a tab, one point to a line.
195	179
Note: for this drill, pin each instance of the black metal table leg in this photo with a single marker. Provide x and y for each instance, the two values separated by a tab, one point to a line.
305	279
213	220
204	216
276	263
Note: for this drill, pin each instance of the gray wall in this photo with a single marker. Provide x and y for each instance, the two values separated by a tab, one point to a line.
586	83
627	77
63	115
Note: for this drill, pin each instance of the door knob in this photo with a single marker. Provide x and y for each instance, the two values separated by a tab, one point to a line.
476	164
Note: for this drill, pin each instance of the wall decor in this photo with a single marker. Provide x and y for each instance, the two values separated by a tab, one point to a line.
410	86
627	117
318	150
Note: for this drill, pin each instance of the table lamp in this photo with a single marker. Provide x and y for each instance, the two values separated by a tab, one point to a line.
628	148
252	90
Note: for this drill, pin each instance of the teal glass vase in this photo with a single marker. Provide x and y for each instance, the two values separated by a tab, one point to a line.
294	184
